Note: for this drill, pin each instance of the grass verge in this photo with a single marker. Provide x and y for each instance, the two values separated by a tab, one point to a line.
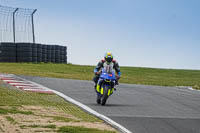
11	120
38	126
31	112
14	98
71	129
14	110
131	75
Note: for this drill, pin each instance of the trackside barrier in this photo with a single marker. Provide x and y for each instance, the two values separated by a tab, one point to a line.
31	52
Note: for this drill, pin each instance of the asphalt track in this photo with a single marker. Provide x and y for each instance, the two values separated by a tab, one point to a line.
139	108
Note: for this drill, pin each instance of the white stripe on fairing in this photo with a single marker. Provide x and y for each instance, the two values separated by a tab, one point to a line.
86	108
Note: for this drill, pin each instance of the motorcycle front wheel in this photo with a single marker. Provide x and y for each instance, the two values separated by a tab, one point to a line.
105	95
98	99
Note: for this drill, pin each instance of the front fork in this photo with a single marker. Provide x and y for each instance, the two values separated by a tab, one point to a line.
101	88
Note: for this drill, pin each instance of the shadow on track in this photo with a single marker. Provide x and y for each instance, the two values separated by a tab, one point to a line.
111	105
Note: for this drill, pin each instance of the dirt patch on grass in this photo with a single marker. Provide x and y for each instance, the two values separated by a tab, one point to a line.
43	119
7	126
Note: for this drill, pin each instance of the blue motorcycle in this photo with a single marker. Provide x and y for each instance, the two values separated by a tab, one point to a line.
105	85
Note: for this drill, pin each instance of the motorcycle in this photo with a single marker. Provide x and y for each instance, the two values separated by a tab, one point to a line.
107	81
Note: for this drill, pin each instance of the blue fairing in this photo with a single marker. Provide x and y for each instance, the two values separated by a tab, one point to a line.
108	76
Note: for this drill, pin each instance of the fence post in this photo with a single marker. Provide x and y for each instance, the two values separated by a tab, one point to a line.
33	25
14	24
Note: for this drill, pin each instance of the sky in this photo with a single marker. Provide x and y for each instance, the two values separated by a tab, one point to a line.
139	33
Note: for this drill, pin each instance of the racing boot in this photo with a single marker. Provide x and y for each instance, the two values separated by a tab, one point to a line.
116	82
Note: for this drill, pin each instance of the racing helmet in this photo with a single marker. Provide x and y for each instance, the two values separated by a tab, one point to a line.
108	57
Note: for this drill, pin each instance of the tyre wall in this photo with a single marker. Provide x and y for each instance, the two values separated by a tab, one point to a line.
29	52
8	52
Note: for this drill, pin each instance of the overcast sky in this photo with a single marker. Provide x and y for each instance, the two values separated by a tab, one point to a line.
143	33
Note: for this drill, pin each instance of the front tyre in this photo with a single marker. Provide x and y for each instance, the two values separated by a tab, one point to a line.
105	95
98	99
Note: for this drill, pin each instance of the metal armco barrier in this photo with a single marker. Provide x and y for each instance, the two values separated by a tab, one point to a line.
32	52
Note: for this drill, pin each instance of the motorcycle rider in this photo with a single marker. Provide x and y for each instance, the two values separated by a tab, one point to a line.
108	60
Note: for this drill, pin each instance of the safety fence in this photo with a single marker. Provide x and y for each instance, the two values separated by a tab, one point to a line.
32	52
17	24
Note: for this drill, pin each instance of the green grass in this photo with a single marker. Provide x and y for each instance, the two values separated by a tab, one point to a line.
49	126
71	129
14	98
52	126
3	111
64	119
163	77
14	110
196	87
48	70
11	120
130	75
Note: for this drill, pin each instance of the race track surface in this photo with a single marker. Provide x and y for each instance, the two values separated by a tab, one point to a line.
139	108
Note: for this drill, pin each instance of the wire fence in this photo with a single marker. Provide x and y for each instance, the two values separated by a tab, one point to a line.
17	39
16	24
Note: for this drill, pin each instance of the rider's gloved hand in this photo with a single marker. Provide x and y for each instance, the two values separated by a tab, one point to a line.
97	73
118	77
